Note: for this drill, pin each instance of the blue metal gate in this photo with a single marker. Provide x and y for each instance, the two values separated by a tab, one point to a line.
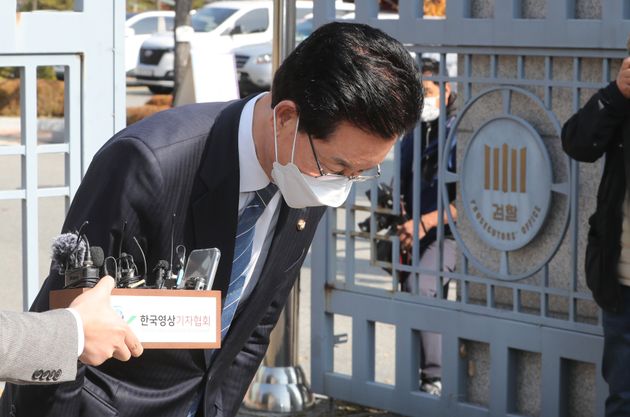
520	332
87	42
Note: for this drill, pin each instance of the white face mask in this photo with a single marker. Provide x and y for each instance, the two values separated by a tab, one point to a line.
300	190
430	109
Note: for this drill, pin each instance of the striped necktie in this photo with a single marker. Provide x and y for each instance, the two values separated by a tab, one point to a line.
242	256
243	252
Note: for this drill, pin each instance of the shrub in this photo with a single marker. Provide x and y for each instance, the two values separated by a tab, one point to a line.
135	114
9	97
161	100
50	98
8	72
46	73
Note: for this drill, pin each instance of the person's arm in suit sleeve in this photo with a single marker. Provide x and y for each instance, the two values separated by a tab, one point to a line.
595	128
38	347
44	347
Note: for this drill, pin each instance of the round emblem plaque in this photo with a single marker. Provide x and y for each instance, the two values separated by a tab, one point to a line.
507	179
508	186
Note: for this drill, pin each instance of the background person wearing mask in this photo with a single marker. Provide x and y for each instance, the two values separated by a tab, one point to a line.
431	343
43	347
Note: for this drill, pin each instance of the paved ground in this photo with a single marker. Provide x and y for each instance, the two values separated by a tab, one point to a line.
51	173
325	407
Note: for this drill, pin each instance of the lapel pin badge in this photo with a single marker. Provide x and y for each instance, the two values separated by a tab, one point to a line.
300	225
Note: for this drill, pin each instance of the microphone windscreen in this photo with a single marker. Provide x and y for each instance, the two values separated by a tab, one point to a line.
66	253
98	256
162	264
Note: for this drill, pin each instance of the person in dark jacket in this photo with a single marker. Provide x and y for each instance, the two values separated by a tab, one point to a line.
602	128
431	346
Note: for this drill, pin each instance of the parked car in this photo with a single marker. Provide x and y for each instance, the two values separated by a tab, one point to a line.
139	27
229	24
253	62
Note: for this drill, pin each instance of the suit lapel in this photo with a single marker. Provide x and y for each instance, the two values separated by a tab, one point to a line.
215	193
274	264
273	277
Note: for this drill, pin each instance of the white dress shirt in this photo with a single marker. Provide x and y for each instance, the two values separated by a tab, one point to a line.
80	334
253	178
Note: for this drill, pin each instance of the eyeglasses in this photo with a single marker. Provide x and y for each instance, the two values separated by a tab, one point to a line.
353	178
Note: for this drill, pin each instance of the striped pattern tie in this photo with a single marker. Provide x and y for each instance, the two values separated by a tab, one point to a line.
242	255
243	252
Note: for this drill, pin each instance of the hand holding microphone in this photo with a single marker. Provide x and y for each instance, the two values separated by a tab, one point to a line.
106	334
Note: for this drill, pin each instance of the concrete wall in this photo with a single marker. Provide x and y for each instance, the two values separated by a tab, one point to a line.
579	392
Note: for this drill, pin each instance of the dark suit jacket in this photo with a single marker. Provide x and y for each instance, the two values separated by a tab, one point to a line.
182	161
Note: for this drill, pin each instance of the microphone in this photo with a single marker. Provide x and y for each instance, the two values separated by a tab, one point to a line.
68	251
76	260
170	282
98	256
126	273
159	272
88	273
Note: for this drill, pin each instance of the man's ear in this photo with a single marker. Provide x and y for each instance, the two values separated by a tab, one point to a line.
285	111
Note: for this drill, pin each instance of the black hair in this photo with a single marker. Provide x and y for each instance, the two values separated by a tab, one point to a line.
348	72
432	66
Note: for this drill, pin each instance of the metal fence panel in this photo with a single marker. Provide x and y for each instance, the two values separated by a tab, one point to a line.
88	43
515	322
